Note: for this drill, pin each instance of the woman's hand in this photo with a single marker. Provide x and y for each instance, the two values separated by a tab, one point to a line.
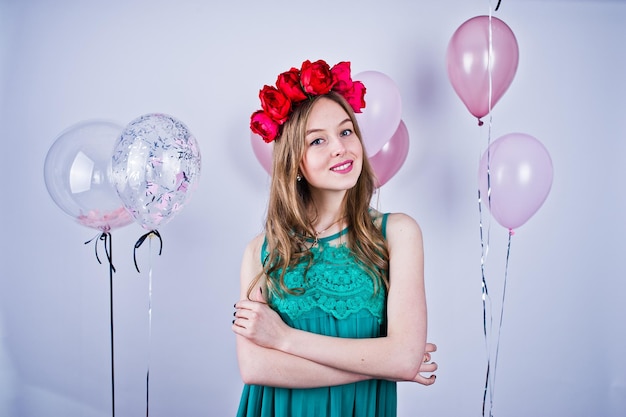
257	322
427	366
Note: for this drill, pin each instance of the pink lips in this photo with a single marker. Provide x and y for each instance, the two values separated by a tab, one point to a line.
342	167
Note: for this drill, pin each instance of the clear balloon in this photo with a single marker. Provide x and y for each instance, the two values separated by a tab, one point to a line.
155	167
471	65
383	110
77	172
262	151
515	178
388	161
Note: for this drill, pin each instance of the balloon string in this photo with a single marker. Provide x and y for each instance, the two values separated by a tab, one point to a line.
490	67
104	237
506	268
486	300
107	239
140	242
149	330
111	271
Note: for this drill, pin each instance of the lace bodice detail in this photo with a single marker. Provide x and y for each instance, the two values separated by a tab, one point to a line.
334	283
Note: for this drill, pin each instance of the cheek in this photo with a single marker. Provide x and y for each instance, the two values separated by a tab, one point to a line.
359	152
306	165
357	148
310	162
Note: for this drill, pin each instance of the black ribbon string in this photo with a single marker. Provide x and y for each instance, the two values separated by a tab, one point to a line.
140	242
107	240
498	5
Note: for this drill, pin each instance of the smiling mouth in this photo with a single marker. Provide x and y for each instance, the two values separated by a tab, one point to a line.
342	167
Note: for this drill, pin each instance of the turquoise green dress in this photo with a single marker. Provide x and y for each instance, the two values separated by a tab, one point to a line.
339	300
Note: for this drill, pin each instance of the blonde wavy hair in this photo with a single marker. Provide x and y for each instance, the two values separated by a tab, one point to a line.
288	225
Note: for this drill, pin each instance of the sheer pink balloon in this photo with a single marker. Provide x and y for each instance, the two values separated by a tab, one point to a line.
383	110
77	172
470	64
390	158
517	170
262	151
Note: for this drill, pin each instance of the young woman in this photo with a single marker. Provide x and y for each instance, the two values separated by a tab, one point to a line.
333	309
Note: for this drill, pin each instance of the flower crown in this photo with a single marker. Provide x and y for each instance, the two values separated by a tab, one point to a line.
296	85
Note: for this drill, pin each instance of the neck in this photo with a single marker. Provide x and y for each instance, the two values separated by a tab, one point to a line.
326	206
319	232
326	212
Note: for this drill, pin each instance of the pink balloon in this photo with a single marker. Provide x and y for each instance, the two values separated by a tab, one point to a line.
262	151
517	171
390	158
469	62
383	110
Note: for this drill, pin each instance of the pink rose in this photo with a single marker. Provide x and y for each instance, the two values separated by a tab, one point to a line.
341	77
263	125
315	77
275	103
289	84
356	96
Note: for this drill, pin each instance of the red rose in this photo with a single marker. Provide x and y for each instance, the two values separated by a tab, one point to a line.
275	103
263	125
315	77
356	96
289	84
341	77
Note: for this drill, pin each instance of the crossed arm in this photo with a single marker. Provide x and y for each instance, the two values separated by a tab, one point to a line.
272	353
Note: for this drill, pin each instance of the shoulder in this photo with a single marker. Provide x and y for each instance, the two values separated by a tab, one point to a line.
251	265
402	220
395	221
403	229
253	248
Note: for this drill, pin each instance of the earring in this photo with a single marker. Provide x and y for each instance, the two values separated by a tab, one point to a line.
298	178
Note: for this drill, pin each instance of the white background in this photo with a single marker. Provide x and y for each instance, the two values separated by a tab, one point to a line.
562	340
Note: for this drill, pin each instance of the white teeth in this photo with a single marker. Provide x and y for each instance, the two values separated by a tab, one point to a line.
344	166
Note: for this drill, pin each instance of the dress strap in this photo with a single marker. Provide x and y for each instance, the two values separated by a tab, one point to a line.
383	225
264	251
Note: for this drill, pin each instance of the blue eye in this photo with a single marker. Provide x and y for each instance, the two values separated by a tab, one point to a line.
346	132
316	141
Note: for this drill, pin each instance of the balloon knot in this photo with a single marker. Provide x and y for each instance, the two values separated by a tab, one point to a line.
480	122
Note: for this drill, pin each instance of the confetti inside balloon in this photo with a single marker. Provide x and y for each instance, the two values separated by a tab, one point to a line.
155	167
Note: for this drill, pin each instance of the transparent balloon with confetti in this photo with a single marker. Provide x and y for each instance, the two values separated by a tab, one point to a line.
156	166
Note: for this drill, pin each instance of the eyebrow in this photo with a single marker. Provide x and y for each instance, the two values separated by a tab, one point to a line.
346	120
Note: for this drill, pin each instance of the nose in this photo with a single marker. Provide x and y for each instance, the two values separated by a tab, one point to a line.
338	147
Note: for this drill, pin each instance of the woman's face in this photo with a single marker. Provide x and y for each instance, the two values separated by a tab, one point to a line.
333	155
